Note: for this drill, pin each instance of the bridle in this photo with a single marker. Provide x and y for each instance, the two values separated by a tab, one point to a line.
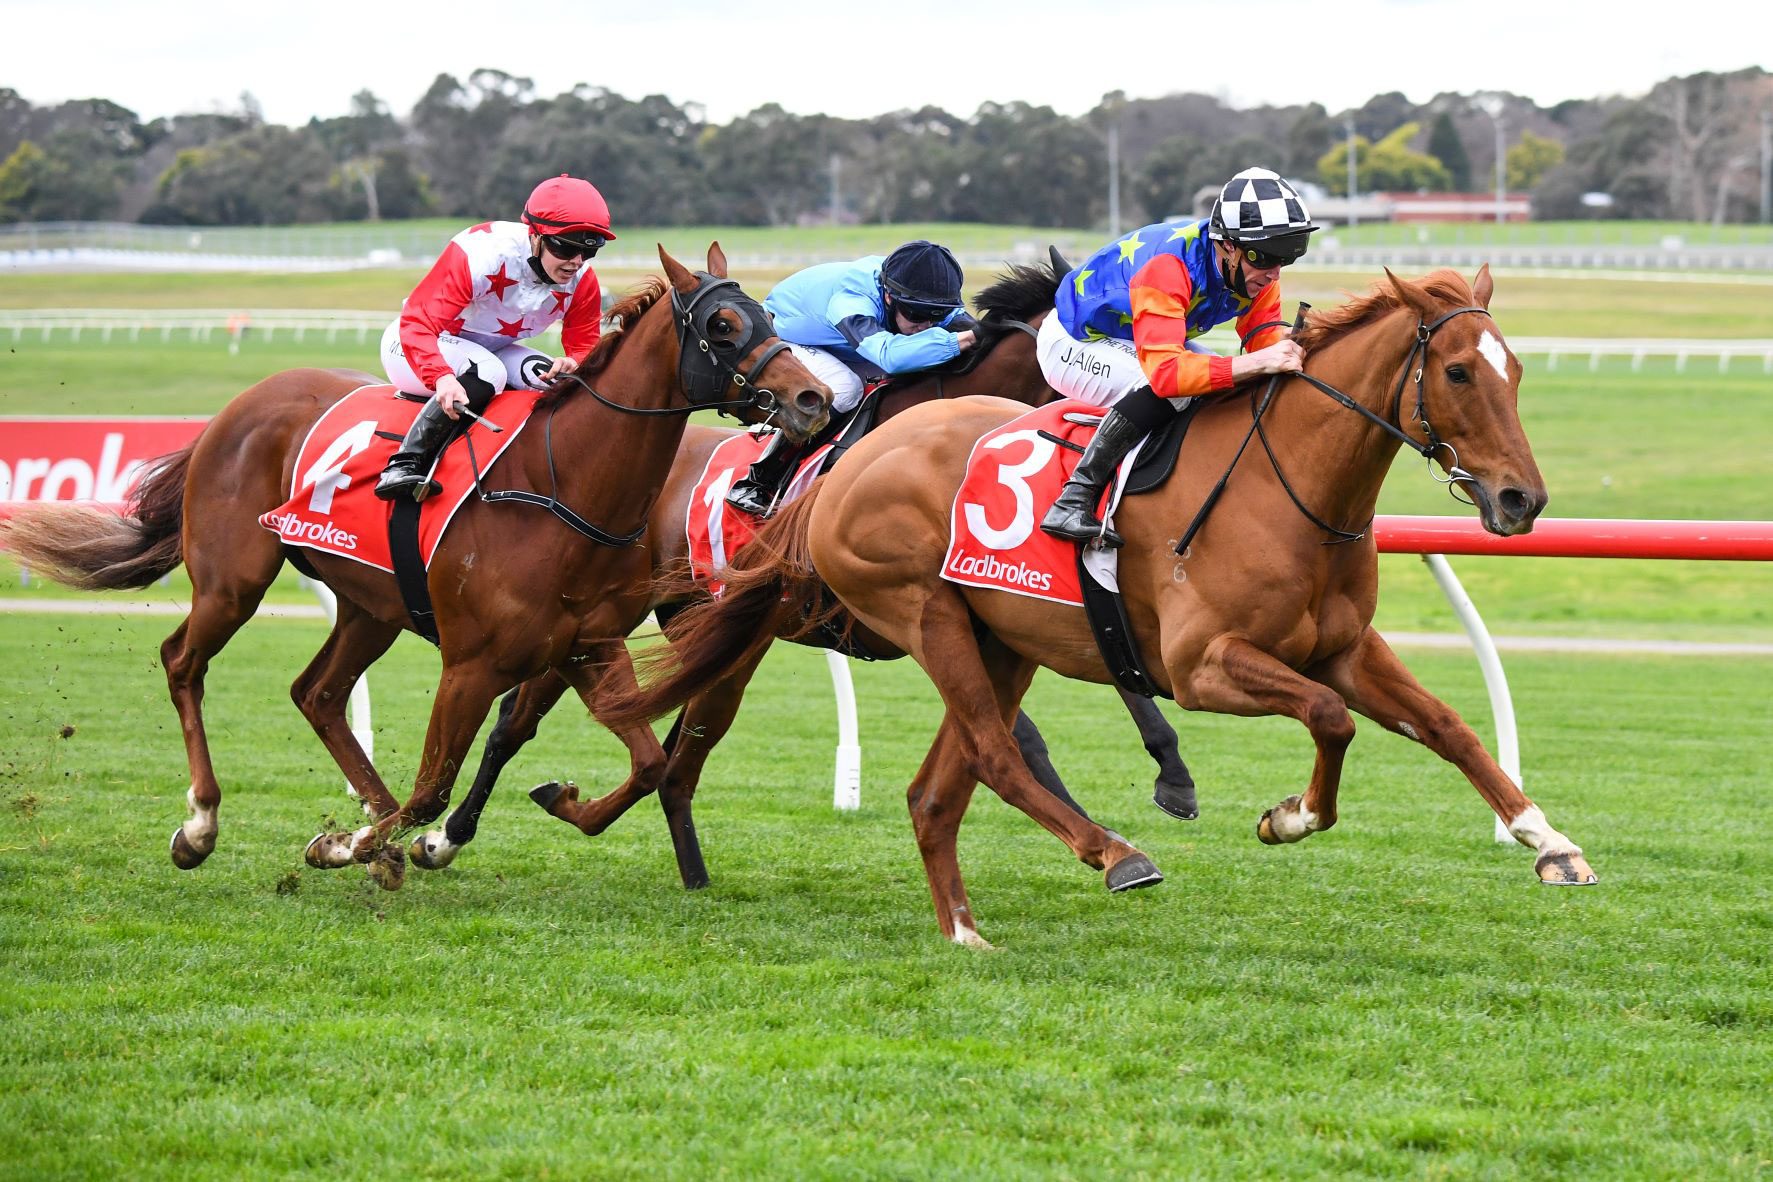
705	368
1418	357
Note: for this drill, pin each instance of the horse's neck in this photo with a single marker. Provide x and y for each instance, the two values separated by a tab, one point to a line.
610	463
1334	458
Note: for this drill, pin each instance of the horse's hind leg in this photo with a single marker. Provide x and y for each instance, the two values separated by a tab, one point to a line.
520	712
937	799
611	668
1174	789
222	599
1378	685
1033	747
704	722
356	642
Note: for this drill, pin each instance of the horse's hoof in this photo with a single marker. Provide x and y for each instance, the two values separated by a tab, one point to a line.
185	855
388	867
1176	800
1265	829
1564	869
547	795
1132	872
432	851
328	851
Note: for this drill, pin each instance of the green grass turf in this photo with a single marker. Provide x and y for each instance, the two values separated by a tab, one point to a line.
1394	998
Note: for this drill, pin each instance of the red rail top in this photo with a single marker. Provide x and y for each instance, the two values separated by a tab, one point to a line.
1581	537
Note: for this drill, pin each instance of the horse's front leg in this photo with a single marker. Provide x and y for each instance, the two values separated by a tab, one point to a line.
608	668
1174	790
1236	677
1373	680
520	712
464	695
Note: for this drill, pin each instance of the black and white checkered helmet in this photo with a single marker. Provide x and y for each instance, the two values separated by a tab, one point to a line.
1257	205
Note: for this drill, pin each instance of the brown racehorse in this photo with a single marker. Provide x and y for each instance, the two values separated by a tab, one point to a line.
517	592
1011	307
1260	615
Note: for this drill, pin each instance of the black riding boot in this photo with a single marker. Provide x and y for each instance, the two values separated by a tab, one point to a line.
1073	515
757	490
406	472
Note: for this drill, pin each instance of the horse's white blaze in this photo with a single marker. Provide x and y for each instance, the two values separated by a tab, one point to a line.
1532	830
1493	352
200	829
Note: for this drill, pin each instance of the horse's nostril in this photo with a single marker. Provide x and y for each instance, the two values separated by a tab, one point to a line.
809	402
1516	503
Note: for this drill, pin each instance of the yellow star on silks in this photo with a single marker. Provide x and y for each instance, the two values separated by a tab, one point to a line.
1125	319
1130	246
1190	231
1077	284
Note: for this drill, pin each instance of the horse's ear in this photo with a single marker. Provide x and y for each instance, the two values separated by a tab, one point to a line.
1061	267
1483	286
1412	296
676	272
716	260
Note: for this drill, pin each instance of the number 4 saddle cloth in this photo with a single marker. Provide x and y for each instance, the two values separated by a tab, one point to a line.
1013	477
333	507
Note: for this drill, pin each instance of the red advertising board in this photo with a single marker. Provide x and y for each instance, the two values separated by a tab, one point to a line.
82	459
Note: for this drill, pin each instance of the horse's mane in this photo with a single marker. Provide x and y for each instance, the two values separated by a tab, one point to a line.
1323	327
628	309
1022	293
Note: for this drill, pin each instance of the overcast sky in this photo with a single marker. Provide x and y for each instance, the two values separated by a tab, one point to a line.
857	58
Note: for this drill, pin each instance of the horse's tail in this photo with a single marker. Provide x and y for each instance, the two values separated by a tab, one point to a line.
770	583
96	550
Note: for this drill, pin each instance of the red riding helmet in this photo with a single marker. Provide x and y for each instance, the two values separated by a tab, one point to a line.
568	206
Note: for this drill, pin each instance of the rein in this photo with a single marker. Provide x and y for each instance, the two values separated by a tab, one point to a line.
1419	348
704	371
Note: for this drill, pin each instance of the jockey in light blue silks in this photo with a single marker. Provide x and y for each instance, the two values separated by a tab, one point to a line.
850	322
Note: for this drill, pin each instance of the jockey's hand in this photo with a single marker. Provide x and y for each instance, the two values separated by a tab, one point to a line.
1280	357
561	365
966	340
450	395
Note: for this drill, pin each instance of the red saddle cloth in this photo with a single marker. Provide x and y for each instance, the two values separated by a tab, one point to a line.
1013	477
333	507
715	530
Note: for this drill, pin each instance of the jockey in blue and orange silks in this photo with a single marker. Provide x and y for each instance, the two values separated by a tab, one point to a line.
1122	333
866	319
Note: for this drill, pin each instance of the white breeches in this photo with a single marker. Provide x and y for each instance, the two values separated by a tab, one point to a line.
1100	373
514	365
845	383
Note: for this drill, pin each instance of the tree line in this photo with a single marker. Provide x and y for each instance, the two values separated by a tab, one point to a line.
1688	150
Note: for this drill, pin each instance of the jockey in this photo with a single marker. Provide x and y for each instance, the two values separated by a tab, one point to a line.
863	320
1122	332
495	284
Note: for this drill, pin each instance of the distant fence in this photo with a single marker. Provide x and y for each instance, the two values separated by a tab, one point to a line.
130	324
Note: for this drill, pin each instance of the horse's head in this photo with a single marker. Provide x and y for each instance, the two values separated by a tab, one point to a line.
730	354
1460	389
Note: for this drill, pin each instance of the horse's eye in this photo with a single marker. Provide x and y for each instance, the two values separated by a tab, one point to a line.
1457	374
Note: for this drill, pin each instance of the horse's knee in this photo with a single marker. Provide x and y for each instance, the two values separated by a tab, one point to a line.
1329	721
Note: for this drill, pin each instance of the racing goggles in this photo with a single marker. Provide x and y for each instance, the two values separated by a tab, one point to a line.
568	249
1285	252
921	313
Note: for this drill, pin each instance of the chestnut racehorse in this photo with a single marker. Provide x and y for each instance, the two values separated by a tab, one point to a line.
1268	611
1010	308
517	592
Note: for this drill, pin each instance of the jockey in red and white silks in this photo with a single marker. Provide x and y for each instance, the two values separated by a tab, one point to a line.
480	301
460	331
